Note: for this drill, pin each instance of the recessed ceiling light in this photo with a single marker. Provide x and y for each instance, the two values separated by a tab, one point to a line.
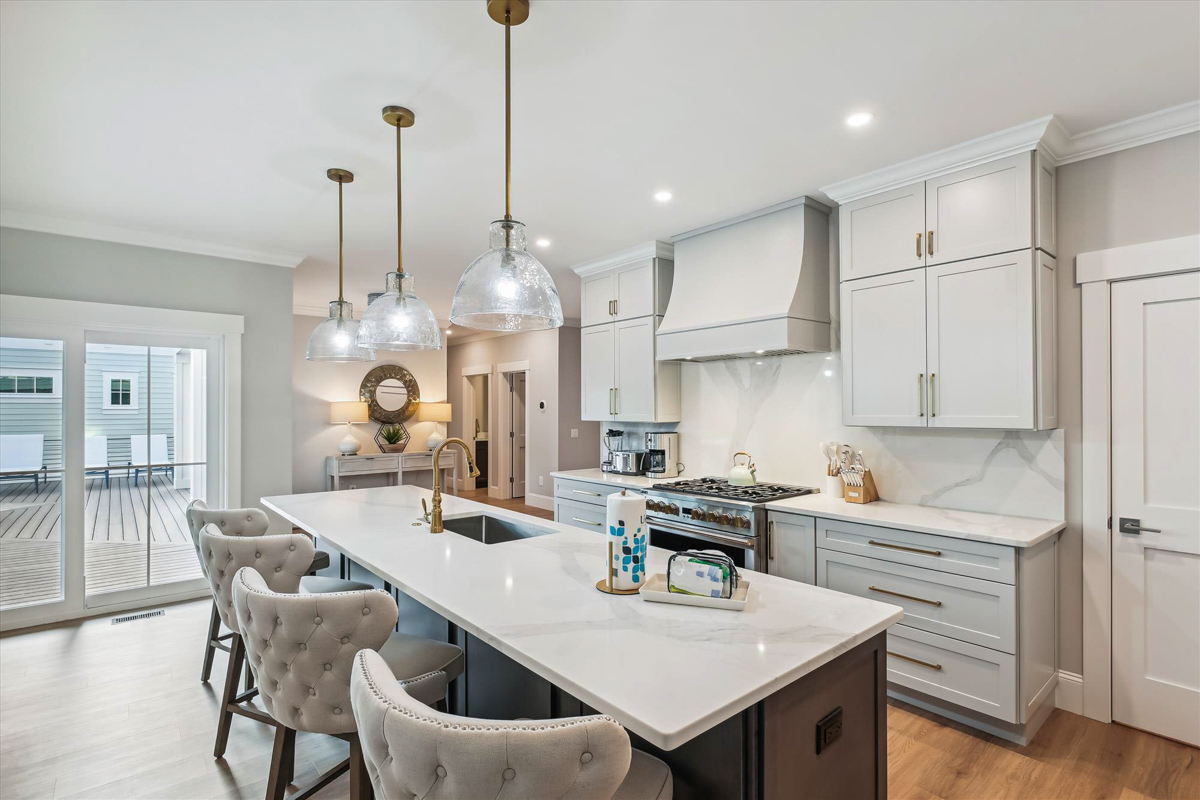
663	196
860	118
543	243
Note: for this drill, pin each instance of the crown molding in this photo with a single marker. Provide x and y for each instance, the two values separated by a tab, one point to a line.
654	249
1176	121
762	212
1047	135
161	241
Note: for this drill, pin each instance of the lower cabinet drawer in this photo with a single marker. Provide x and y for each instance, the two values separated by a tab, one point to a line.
581	491
581	515
972	610
373	464
974	677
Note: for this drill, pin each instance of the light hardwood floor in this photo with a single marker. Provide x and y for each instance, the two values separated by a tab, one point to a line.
519	504
98	711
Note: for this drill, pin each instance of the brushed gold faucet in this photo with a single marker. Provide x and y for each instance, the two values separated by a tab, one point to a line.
472	472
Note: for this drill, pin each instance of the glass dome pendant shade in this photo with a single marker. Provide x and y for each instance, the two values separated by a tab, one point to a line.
507	288
398	319
336	338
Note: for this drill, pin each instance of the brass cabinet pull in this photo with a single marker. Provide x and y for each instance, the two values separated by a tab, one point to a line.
918	245
929	242
616	308
932	397
597	494
616	400
914	660
587	522
905	596
906	549
771	540
920	397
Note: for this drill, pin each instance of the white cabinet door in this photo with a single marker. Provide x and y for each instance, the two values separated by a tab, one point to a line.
980	343
597	299
598	371
635	369
792	547
883	350
883	233
635	291
979	211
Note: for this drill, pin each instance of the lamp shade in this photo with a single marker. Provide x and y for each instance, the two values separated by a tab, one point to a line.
347	411
434	412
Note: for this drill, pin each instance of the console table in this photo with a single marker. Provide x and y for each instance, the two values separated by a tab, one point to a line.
392	464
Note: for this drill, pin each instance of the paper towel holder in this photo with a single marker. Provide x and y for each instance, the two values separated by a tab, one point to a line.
605	583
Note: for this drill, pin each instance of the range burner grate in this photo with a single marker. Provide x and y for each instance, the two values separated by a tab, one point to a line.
723	489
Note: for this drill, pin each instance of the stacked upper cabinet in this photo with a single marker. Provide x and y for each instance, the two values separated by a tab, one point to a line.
948	300
622	301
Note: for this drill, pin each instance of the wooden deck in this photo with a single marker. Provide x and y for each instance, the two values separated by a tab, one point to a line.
118	519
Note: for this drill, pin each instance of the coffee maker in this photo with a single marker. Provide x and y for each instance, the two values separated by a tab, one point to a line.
662	455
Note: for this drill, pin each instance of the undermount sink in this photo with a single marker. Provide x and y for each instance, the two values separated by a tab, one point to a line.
490	530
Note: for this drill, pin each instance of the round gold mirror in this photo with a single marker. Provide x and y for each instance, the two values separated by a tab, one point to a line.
391	393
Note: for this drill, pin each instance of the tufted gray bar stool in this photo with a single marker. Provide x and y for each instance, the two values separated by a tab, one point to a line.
412	751
232	522
302	648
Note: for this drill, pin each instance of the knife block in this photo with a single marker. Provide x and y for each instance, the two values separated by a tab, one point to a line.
867	493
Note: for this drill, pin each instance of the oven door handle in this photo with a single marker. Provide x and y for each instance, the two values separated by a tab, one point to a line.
746	543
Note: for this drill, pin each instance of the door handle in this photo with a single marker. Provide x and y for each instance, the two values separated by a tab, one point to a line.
587	522
932	397
921	394
610	402
1134	526
616	400
918	245
914	660
771	541
929	242
616	307
905	596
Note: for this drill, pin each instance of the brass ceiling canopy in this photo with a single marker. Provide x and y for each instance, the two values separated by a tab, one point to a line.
508	12
340	175
399	116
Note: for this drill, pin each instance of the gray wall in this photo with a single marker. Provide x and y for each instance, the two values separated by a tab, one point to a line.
1129	197
317	384
67	268
577	452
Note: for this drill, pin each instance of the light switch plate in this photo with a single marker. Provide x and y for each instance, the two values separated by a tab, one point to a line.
574	433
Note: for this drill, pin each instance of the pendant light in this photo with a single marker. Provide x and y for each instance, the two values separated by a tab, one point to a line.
506	288
335	339
398	319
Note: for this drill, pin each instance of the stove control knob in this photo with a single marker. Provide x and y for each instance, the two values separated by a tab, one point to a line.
697	514
711	516
726	519
741	522
653	505
672	509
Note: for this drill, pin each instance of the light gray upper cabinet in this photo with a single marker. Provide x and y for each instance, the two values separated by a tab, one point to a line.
639	289
966	339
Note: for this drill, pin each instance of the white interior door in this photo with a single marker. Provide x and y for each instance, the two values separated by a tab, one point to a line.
517	407
1156	486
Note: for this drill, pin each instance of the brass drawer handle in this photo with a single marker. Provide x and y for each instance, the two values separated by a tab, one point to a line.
914	660
918	245
932	397
905	549
587	522
920	397
929	242
905	596
589	494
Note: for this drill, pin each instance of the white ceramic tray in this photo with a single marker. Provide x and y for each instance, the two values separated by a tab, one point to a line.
655	591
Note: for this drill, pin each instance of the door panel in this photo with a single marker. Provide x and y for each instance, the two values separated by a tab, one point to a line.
792	547
635	292
883	350
980	211
597	371
518	431
883	233
635	370
980	343
1156	480
596	296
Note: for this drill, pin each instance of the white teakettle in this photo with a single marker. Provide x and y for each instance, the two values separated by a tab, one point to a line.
742	474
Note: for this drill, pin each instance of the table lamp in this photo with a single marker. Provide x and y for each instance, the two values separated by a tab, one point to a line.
434	412
349	412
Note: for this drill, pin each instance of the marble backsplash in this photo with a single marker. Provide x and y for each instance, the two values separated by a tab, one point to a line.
779	408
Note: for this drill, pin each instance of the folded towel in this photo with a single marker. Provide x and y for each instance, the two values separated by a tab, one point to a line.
707	573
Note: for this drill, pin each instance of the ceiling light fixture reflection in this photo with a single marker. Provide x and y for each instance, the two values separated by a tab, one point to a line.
663	196
859	119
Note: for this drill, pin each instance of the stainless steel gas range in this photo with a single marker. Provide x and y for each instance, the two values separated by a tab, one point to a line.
711	513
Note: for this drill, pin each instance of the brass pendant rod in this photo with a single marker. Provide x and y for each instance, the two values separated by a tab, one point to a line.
341	298
399	213
507	116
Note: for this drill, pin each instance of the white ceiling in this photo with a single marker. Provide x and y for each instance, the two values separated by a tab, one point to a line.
217	121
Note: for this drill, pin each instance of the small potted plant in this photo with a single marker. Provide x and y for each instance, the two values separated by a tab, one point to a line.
393	438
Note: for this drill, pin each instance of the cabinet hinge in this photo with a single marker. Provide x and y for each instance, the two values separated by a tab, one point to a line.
1110	523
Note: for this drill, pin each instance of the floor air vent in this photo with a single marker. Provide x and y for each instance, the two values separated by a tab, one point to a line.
143	615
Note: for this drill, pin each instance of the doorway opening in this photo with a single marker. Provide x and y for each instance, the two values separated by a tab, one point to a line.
512	454
477	415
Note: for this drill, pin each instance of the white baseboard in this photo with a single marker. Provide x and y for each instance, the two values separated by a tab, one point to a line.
1069	694
540	501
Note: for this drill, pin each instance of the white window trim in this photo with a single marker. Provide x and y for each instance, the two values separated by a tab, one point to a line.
106	401
31	372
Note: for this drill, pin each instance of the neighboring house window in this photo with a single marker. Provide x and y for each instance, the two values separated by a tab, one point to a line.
30	384
120	391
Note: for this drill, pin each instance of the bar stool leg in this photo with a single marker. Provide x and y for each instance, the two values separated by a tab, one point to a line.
283	762
360	780
237	654
214	630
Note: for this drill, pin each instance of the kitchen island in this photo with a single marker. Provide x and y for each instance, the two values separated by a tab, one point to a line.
730	700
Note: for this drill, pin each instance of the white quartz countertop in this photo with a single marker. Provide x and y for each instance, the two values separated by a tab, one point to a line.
993	528
596	475
666	672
